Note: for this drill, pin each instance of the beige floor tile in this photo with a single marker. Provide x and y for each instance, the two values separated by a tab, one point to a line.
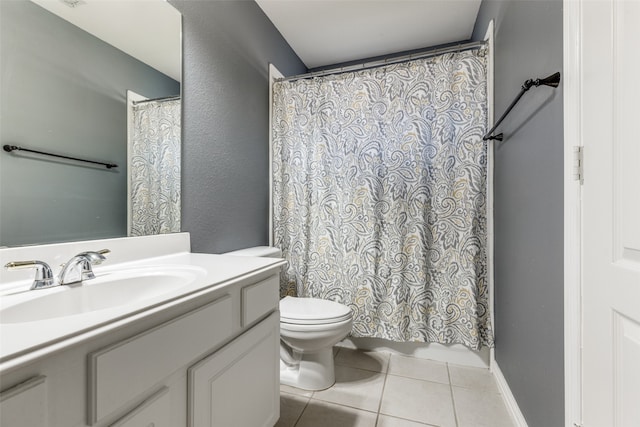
420	369
416	394
387	421
291	407
369	360
295	390
476	378
324	414
354	387
479	408
417	400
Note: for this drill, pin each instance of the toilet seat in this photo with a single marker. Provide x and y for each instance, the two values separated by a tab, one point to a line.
312	311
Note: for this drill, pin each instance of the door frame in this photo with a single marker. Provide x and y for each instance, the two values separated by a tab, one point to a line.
572	88
274	74
132	98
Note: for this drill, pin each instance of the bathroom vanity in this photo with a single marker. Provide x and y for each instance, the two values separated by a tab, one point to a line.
198	348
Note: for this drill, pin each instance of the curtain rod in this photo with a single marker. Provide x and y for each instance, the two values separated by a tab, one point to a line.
387	61
166	98
9	148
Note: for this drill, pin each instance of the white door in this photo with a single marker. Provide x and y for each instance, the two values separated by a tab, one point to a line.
611	213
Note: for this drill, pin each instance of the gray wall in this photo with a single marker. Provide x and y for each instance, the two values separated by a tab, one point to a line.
64	91
529	206
227	48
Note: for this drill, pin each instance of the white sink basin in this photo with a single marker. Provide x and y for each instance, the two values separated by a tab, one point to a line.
108	290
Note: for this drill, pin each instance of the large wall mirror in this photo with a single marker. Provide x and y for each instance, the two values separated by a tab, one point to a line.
97	80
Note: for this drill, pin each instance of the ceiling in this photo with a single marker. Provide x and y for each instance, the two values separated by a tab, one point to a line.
327	32
148	30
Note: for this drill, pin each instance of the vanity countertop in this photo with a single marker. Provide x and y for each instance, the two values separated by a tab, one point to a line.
23	339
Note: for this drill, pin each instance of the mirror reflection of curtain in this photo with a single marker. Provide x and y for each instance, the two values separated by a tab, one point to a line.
154	168
379	189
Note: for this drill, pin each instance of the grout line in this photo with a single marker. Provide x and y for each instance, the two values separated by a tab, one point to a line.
384	384
345	365
330	402
302	412
414	377
354	367
453	400
422	379
420	423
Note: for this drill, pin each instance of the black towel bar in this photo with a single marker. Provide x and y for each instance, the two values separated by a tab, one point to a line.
553	81
9	148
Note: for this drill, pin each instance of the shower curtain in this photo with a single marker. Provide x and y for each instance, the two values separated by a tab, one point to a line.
379	196
154	168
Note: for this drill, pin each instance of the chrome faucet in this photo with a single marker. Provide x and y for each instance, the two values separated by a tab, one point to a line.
44	275
79	267
94	258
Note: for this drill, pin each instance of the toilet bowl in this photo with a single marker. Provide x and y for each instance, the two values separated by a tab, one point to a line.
309	328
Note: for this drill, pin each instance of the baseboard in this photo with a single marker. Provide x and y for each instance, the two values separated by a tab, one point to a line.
507	396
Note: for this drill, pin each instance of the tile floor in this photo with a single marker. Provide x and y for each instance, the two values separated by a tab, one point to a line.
388	390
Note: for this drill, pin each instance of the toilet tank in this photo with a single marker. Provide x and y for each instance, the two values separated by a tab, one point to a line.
259	251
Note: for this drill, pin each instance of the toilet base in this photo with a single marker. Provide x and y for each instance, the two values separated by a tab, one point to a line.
314	372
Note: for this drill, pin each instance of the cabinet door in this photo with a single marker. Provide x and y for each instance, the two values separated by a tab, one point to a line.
238	386
25	404
152	412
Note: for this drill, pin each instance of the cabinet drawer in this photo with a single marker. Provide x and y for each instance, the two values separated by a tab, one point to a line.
122	372
259	299
25	404
155	411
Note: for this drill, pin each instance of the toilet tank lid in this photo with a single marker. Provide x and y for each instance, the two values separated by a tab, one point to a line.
259	251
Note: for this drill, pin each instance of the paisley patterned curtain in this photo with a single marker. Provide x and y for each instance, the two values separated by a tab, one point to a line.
379	188
154	167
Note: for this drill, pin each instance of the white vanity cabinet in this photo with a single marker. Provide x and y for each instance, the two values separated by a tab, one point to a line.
200	363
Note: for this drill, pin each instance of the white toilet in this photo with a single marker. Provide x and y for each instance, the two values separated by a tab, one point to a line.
309	328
